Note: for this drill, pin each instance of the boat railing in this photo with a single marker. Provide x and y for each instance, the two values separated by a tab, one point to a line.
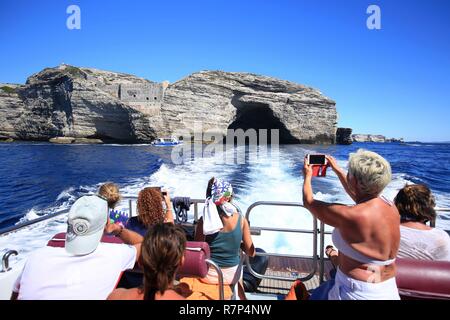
318	233
130	199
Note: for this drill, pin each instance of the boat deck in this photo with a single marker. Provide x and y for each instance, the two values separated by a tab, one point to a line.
293	268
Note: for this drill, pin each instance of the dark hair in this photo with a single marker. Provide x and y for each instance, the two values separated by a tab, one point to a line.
416	203
209	187
161	254
149	206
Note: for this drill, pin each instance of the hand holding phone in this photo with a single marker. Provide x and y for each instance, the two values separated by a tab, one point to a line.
317	159
319	164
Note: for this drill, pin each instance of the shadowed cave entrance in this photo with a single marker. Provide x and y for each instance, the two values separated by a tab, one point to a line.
257	116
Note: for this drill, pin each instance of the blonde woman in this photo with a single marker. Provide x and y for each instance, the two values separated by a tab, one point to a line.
110	192
366	234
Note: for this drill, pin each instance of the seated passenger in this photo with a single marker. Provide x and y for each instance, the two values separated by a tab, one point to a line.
415	204
223	228
367	234
110	192
161	254
85	268
152	208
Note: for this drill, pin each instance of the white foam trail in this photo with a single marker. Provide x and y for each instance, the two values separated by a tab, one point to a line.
66	194
271	180
32	237
30	215
29	238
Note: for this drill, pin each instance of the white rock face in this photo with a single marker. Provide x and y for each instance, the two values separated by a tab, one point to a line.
222	100
368	138
87	103
374	138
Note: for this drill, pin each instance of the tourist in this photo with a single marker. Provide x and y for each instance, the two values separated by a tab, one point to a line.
85	268
110	192
366	234
161	255
152	207
415	204
224	228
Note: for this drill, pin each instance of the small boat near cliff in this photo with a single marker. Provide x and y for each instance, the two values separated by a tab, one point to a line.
162	142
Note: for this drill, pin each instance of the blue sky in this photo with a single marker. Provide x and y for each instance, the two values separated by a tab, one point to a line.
394	81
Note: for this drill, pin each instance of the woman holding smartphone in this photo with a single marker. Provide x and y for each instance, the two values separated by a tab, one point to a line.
153	206
366	234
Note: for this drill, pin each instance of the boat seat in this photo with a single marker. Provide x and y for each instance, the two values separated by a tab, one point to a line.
423	279
195	260
59	240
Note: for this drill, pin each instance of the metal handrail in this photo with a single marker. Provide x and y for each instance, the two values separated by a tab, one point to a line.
220	277
130	199
195	202
314	232
30	222
322	245
5	260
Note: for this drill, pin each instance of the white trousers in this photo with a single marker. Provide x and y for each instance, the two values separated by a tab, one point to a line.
346	288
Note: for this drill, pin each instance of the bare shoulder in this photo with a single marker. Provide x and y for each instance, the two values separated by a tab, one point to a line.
125	294
374	210
363	213
170	295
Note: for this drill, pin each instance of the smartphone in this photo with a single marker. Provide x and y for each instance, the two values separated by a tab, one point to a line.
317	159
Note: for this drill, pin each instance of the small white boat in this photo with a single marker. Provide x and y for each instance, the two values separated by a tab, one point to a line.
166	142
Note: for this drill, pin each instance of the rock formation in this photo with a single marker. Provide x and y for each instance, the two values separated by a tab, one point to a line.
74	102
344	136
374	138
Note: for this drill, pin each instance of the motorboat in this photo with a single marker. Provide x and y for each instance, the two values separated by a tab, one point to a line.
162	142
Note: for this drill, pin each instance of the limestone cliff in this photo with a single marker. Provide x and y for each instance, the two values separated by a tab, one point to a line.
68	101
374	138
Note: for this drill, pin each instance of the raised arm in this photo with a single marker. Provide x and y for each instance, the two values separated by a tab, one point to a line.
169	216
342	175
331	214
248	246
127	236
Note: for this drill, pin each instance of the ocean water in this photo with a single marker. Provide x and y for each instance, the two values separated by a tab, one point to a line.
42	178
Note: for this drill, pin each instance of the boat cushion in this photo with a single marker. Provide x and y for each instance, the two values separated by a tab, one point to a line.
423	279
59	240
194	260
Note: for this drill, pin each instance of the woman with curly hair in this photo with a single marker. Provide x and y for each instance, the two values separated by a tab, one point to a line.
162	253
415	204
153	207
